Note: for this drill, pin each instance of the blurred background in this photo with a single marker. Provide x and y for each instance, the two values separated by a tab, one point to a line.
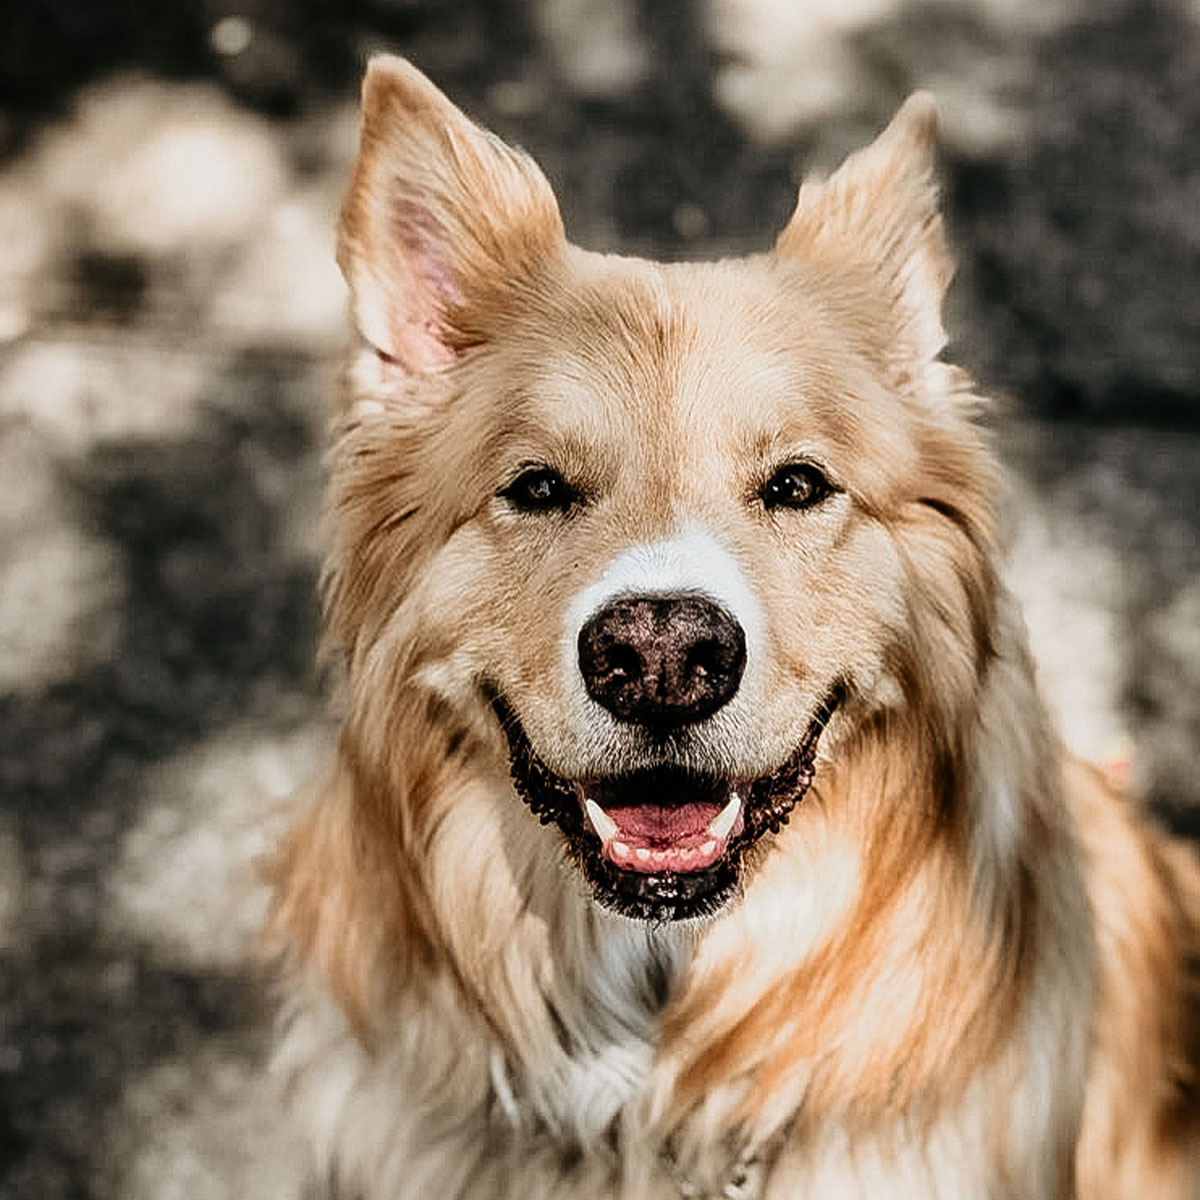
170	322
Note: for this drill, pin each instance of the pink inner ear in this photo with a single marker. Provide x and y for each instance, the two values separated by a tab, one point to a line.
427	290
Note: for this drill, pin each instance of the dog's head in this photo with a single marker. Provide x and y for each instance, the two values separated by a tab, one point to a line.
671	528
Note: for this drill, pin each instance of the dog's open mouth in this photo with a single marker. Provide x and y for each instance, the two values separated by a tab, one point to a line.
662	844
658	821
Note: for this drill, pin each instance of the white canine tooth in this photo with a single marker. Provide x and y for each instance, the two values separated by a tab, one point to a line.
708	847
724	821
602	823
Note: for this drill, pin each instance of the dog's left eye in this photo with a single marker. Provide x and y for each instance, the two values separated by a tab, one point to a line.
539	489
797	485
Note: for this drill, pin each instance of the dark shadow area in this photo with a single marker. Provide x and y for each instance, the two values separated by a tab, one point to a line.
88	1018
114	285
214	623
1083	258
297	53
219	625
679	148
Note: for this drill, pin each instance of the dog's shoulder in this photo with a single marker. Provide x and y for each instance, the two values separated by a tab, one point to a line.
1142	1113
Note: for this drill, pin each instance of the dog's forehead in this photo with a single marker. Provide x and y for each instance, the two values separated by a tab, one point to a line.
676	391
696	360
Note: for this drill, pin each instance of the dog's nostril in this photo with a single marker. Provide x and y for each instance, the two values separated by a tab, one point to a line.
662	660
622	662
704	660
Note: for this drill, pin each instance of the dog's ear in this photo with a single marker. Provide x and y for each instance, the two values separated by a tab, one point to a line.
881	209
442	219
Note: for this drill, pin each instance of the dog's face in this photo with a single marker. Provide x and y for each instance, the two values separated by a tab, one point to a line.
666	526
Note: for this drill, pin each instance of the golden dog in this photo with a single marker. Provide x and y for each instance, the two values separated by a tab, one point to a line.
696	828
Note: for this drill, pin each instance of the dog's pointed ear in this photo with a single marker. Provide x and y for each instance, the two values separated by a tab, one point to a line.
442	218
881	208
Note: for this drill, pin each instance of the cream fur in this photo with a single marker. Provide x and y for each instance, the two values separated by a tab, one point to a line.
965	970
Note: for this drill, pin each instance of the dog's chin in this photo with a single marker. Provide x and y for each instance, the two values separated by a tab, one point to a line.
662	843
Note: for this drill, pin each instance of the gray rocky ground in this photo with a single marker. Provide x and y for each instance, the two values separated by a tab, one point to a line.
170	319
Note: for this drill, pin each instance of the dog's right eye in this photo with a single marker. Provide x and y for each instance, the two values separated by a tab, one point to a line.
797	485
539	489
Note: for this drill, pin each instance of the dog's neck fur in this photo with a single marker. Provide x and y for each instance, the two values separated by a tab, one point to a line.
828	1005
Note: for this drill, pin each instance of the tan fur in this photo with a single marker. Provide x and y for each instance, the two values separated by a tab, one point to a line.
965	969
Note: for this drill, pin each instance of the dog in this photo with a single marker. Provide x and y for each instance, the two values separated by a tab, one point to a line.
696	828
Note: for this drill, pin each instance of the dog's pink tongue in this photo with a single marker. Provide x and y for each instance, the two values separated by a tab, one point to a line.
652	838
656	826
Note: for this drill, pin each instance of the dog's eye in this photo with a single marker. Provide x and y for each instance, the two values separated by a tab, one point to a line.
539	489
797	485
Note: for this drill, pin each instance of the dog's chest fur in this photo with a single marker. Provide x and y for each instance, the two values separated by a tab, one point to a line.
440	1109
477	1138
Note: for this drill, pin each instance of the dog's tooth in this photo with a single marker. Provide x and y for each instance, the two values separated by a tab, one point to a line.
643	854
602	823
724	821
708	848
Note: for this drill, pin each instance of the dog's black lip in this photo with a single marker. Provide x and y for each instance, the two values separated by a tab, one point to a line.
669	896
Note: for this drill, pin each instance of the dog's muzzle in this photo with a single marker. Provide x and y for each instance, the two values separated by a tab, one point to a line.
662	842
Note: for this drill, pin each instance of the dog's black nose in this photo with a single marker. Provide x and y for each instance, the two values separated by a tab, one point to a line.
662	660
